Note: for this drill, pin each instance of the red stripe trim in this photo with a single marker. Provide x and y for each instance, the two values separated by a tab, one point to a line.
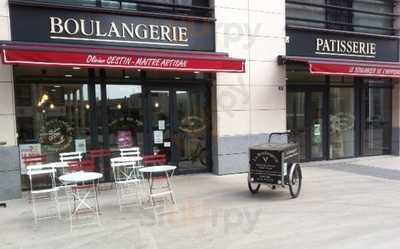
125	58
321	66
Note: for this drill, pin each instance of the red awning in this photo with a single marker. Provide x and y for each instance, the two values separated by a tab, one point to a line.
321	66
111	57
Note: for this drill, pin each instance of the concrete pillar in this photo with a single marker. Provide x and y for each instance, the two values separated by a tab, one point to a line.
10	185
7	106
247	106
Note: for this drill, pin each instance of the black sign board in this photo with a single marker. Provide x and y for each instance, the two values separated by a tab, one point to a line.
54	25
326	44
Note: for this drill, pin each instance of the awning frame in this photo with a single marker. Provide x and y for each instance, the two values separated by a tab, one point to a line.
346	67
213	62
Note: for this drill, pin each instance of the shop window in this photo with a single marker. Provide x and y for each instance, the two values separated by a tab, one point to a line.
341	19
298	74
381	22
176	76
376	120
341	122
368	16
125	116
55	116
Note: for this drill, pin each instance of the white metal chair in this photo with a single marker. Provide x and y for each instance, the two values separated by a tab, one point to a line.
128	182
43	199
71	156
130	152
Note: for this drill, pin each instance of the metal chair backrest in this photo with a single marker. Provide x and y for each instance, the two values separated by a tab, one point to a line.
133	151
34	159
32	172
154	160
71	156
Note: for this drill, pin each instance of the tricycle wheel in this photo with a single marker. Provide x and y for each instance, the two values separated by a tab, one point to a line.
295	179
254	187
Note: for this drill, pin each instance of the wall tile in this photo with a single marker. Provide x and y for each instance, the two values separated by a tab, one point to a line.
232	21
266	49
267	98
267	24
8	129
6	98
232	123
265	121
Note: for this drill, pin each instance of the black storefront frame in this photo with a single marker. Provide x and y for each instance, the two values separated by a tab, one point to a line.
99	78
147	85
325	87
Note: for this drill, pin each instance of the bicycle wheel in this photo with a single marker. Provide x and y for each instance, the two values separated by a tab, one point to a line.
253	187
295	179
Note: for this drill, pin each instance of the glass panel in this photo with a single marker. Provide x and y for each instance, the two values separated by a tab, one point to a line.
125	116
380	6
301	12
342	121
192	129
160	122
377	121
296	120
316	125
299	74
53	115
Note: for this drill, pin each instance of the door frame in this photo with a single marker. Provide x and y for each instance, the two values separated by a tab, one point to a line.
172	88
308	89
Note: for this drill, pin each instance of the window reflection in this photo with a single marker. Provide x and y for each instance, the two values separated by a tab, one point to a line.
125	116
342	121
53	115
376	121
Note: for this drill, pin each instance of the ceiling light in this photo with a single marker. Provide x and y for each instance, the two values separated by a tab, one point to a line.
156	105
127	77
196	72
139	70
68	76
87	106
119	106
51	106
57	86
178	78
76	68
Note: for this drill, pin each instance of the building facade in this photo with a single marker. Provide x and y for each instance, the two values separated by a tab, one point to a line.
198	80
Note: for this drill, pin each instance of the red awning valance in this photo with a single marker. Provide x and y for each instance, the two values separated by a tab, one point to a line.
107	57
321	66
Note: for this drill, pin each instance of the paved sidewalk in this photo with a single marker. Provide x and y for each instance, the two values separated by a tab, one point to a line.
342	206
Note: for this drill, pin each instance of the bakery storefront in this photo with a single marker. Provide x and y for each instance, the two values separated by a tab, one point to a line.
339	92
86	80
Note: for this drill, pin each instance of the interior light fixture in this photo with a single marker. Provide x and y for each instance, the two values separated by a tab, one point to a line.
156	105
87	106
76	68
52	106
178	78
119	106
68	76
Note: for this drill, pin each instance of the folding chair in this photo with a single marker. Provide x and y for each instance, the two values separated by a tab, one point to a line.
73	159
128	182
44	196
132	152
